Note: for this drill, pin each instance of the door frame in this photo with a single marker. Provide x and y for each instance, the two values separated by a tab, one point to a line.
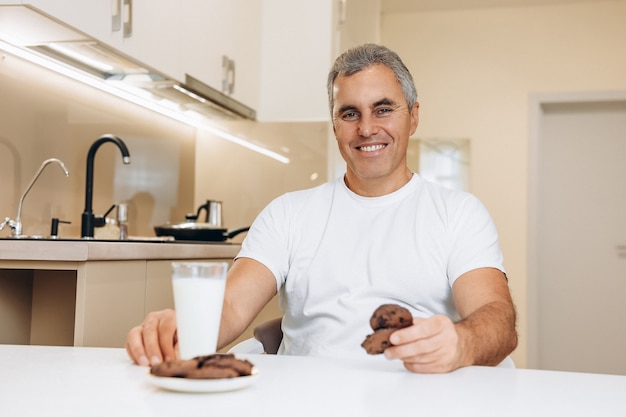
536	114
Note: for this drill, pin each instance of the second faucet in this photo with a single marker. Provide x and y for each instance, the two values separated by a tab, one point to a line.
89	221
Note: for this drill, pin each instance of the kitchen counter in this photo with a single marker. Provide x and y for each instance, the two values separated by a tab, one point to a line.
89	292
92	250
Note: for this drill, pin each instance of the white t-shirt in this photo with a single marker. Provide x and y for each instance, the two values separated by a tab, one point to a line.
337	256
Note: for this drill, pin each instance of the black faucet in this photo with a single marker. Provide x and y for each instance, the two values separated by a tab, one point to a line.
89	220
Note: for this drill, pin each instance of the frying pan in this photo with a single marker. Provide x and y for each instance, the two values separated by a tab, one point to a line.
197	231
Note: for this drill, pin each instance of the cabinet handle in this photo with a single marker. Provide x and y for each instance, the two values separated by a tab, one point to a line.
228	75
231	79
116	15
343	11
128	18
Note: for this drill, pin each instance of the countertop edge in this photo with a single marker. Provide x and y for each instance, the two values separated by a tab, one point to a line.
78	251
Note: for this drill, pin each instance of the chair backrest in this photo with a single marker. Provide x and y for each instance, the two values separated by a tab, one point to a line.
267	338
270	334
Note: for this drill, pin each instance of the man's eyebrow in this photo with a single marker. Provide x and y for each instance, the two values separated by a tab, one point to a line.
384	102
347	107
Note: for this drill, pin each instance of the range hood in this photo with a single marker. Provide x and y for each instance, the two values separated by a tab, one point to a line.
32	31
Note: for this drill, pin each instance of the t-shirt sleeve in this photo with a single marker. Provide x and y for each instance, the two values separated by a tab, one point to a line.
267	239
474	239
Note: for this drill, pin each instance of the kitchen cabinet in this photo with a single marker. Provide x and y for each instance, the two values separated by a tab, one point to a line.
153	40
222	46
92	17
194	37
88	293
91	303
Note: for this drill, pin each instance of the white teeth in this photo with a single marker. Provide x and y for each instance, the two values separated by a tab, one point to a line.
372	148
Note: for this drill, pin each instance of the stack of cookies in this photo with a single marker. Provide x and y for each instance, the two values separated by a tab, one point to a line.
214	366
386	319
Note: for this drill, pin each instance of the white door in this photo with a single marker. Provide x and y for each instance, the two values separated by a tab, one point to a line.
579	238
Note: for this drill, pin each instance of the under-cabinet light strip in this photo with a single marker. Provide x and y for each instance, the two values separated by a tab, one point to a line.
132	97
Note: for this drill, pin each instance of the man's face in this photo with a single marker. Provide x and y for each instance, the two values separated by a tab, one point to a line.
372	124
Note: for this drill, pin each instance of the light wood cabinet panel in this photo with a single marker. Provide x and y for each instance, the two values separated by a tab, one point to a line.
110	299
158	286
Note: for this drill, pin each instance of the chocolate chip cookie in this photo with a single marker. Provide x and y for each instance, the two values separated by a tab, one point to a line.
386	319
214	366
391	316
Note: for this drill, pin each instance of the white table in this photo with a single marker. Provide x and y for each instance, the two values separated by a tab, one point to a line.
75	381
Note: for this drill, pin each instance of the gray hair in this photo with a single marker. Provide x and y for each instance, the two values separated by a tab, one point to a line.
360	57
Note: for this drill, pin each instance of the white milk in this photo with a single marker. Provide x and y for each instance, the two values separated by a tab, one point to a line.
198	304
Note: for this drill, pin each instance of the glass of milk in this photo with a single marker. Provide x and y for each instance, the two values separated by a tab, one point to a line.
198	298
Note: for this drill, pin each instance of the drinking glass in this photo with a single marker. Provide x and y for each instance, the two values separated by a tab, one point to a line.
198	298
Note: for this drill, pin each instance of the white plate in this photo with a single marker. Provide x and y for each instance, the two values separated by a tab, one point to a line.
203	385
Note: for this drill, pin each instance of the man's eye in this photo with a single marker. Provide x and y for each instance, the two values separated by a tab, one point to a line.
350	115
384	110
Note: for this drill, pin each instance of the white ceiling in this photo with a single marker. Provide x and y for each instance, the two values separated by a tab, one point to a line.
396	6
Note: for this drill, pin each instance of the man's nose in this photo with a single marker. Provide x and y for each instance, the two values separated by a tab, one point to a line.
367	126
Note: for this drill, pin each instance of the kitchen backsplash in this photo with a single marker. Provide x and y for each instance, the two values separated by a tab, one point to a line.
174	167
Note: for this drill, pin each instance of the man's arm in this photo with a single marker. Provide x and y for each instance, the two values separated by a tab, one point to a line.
487	327
485	335
250	285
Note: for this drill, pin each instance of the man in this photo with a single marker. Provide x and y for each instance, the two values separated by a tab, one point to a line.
379	235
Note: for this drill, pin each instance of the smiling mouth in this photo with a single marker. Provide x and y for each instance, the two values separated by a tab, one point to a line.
371	148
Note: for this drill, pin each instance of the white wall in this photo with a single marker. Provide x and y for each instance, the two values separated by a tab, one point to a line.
475	71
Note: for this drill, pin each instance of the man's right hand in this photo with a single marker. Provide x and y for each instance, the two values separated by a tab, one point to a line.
154	340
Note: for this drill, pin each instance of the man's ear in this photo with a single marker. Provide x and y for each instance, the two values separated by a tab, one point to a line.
414	117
